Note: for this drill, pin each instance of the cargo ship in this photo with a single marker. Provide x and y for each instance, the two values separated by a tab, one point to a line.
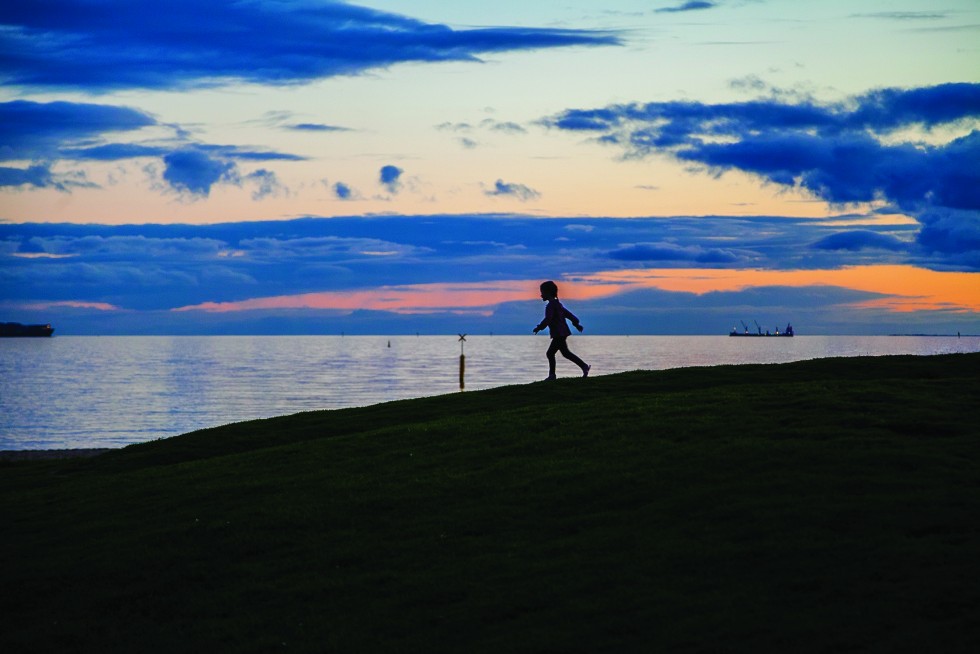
17	329
786	332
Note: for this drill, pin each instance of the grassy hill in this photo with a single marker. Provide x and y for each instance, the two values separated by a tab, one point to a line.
827	505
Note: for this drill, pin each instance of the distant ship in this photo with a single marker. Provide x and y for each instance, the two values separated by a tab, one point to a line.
17	329
787	332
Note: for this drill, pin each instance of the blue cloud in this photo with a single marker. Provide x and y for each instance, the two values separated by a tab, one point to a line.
691	5
36	130
146	267
119	44
831	150
903	15
112	152
390	178
239	153
38	176
855	167
117	245
267	184
952	233
673	252
48	132
317	127
519	191
122	151
41	176
506	127
882	110
860	239
343	191
195	172
929	106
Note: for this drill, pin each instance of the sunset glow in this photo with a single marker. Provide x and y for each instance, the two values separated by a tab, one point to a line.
479	298
905	288
908	288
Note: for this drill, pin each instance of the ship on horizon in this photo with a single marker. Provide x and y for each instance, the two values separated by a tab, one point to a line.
13	329
786	332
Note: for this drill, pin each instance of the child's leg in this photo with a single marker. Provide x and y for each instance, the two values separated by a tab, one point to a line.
556	343
568	354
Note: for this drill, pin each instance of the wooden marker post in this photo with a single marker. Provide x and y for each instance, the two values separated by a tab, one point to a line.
462	361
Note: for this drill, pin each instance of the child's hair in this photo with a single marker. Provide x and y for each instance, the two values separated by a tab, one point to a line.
549	288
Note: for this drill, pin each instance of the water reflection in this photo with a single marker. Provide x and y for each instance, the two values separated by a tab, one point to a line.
111	391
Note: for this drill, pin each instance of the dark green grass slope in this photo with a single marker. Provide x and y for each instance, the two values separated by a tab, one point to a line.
828	505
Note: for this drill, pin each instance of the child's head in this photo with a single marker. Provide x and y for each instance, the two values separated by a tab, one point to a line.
549	290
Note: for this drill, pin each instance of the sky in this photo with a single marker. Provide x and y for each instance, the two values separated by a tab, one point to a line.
387	166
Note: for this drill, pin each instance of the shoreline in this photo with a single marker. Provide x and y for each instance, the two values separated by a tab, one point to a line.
45	455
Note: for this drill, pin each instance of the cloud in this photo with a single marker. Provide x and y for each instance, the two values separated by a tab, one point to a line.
41	176
860	239
749	83
321	247
267	184
115	246
194	171
711	267
673	252
35	130
454	127
498	244
344	192
241	153
44	133
952	233
122	151
691	5
113	152
390	177
507	127
487	125
519	191
317	127
283	119
848	152
645	127
37	176
902	15
119	44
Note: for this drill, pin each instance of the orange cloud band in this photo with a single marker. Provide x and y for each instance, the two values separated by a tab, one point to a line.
412	298
906	289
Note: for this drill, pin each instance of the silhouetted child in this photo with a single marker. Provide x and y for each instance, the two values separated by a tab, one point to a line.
554	319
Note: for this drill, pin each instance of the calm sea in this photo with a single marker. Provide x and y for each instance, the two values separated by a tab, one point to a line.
80	392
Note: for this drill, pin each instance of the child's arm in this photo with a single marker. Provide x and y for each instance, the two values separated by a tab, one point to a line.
571	316
547	319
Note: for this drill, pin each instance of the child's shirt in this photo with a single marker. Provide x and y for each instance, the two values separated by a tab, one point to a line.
554	319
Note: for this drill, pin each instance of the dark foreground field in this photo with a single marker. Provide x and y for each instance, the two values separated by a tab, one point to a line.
822	506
